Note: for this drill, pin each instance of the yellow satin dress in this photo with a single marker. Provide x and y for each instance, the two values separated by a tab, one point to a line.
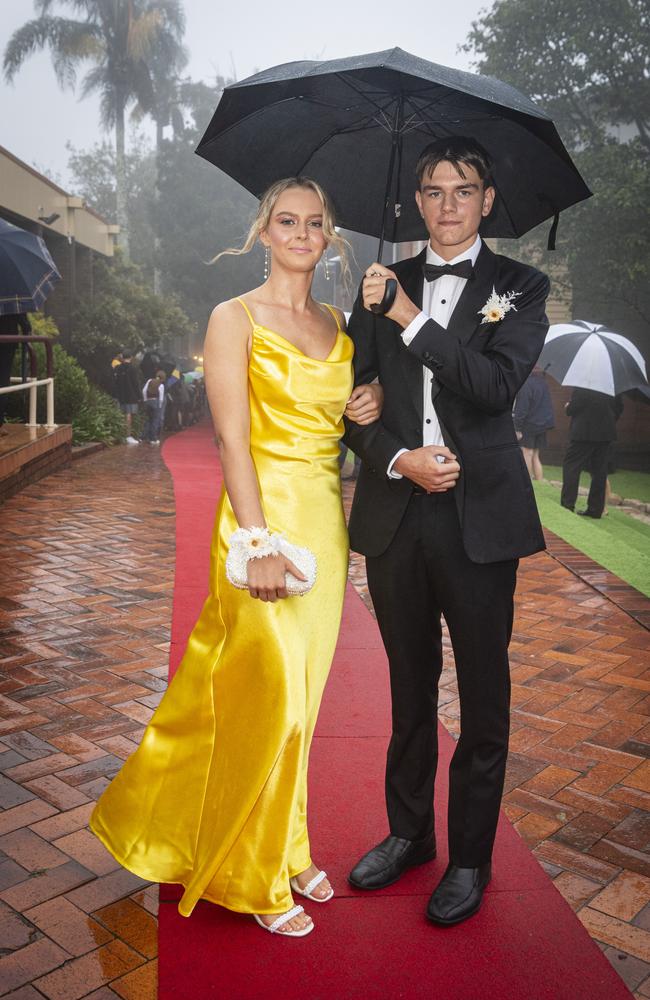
215	796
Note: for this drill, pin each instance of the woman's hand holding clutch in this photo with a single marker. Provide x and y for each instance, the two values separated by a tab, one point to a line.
365	404
267	576
267	565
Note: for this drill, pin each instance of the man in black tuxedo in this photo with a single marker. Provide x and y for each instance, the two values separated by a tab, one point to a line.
443	510
591	434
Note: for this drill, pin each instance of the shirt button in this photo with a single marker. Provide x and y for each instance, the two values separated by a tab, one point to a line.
428	420
444	301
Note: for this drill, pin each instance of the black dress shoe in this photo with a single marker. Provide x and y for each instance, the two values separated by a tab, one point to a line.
388	861
587	513
459	894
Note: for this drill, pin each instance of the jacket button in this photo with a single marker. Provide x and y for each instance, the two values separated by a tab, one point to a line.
426	356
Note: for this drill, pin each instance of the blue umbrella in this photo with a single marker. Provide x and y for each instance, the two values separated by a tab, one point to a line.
27	272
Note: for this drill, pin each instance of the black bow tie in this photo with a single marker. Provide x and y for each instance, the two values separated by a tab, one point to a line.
463	269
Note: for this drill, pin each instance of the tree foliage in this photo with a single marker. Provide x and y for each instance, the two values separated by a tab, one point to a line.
124	313
93	173
607	239
588	65
121	41
201	211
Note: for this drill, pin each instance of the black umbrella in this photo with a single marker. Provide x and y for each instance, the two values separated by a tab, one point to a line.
27	272
358	125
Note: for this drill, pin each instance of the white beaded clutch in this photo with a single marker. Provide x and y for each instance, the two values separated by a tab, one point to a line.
240	552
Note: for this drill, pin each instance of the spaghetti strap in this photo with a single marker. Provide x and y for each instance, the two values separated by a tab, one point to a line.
247	311
334	314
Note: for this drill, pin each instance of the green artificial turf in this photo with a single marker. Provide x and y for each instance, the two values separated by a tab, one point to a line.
618	542
630	485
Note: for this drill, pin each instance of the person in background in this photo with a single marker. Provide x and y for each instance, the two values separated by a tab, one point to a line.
10	326
533	416
116	361
591	433
180	405
153	394
149	364
127	392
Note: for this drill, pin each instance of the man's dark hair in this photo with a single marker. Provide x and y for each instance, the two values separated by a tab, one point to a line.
127	355
458	150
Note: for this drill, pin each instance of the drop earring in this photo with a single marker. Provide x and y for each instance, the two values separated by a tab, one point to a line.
327	268
267	262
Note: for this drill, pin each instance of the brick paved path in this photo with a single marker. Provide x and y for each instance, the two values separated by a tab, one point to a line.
85	598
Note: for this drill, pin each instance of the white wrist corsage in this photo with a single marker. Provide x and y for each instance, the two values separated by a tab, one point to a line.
255	543
497	306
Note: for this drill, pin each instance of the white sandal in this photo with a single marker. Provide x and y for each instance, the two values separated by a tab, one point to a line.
282	920
309	888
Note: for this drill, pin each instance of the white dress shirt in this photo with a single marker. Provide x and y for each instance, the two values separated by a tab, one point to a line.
439	300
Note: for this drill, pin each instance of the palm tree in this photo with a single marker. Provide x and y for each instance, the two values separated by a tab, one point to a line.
165	66
120	39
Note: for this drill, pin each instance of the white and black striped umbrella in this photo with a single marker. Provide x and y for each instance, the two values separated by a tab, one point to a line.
589	356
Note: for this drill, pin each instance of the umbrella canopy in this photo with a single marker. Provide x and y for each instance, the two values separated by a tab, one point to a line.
589	356
358	126
192	376
27	272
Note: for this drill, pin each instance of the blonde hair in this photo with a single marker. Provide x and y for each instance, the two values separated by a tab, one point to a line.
265	210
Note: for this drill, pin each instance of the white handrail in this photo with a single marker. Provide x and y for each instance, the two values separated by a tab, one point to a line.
32	384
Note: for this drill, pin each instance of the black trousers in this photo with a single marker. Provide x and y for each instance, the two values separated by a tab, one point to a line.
425	572
7	351
581	455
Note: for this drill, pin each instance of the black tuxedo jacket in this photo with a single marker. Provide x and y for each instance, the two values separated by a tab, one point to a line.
593	415
478	368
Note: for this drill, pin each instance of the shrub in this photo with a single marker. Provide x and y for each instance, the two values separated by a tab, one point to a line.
100	419
43	326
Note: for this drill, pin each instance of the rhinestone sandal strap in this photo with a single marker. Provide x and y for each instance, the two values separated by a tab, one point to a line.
317	879
284	918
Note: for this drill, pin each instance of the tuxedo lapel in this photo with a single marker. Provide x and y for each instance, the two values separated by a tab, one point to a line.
466	317
412	281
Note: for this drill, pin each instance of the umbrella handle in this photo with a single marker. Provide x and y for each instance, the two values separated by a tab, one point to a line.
389	297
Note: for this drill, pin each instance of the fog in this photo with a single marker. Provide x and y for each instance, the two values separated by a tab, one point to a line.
38	118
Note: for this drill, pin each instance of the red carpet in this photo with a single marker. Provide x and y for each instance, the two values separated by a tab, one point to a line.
524	944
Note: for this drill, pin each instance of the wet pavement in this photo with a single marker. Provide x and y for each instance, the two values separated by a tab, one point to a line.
85	602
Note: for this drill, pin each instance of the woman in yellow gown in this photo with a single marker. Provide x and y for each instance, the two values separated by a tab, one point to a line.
215	797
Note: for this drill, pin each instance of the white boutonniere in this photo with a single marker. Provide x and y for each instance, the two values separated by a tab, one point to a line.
497	306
